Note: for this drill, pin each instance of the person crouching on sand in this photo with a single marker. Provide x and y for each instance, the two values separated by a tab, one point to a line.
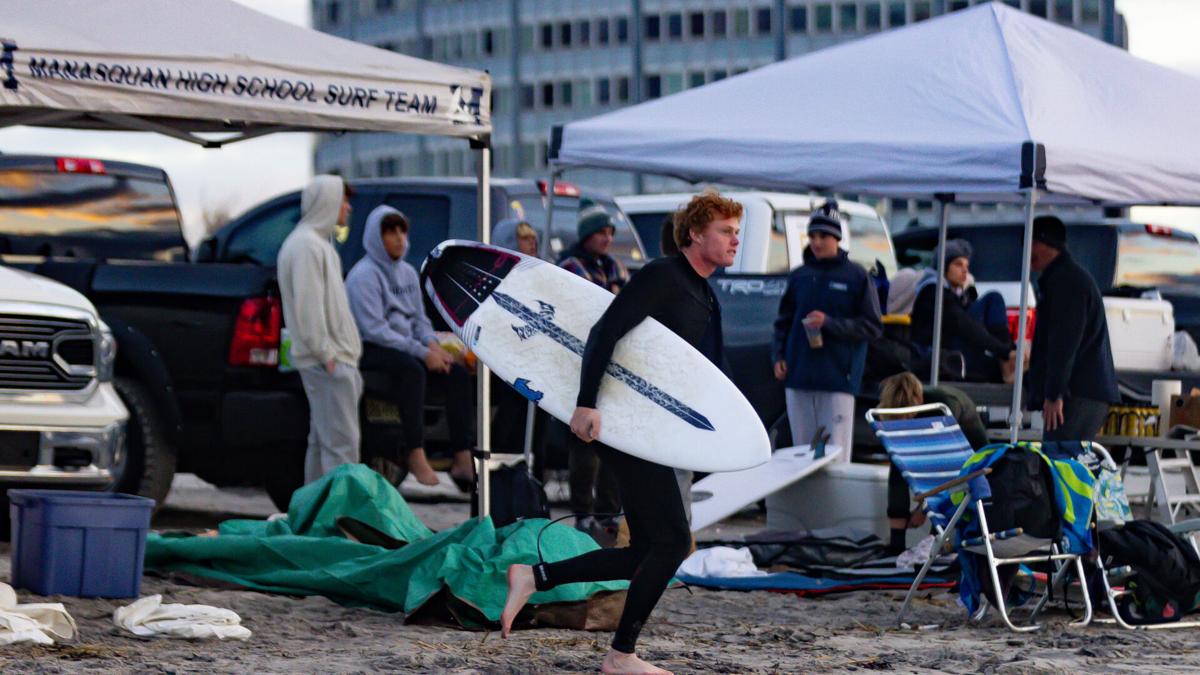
675	291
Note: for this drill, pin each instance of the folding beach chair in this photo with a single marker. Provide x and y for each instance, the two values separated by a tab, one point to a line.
1097	459
930	453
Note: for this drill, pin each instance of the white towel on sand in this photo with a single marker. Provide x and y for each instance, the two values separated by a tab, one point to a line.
149	616
42	622
721	561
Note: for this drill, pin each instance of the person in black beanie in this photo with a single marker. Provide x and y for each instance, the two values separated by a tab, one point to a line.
1071	377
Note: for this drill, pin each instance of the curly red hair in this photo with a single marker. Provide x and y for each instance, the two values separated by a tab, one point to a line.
702	210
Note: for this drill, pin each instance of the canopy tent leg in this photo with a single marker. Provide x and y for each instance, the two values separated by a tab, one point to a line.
943	227
483	378
1014	416
544	240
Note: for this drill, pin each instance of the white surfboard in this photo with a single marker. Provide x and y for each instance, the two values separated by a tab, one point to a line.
720	495
528	320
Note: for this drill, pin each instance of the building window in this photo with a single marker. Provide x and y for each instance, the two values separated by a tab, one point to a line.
848	16
497	104
622	30
798	19
741	22
1038	7
583	33
547	95
564	34
696	24
762	20
956	5
717	21
602	91
382	6
602	31
565	94
470	45
385	167
1091	10
526	38
623	89
824	17
528	156
1064	11
333	12
696	78
653	86
896	14
675	26
652	26
872	16
489	42
547	36
439	48
583	93
454	48
674	83
921	10
528	97
718	75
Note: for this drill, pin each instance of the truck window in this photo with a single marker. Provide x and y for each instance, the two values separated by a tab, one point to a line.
258	241
649	229
99	216
429	225
777	248
625	246
1145	259
869	242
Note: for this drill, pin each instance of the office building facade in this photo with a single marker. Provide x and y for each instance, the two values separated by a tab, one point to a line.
553	61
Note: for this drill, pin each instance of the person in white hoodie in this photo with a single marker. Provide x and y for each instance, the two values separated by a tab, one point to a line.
325	342
398	338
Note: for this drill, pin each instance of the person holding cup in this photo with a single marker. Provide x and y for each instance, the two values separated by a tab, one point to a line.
827	316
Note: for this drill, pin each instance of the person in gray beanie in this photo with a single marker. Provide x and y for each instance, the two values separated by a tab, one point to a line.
593	486
978	328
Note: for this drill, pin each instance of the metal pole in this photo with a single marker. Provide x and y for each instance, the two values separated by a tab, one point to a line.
938	300
544	241
482	373
529	417
1014	417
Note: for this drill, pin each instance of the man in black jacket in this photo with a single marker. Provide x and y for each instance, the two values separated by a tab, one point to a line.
1071	376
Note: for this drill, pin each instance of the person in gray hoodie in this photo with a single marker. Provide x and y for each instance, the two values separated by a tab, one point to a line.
385	298
325	342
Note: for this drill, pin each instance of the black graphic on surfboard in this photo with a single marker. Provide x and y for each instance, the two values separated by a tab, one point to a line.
543	322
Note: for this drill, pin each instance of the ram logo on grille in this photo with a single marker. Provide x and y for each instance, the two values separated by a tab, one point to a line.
25	349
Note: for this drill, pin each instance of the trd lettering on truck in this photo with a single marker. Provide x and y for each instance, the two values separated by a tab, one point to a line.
767	287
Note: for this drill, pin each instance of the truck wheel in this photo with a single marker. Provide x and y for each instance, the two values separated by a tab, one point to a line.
148	465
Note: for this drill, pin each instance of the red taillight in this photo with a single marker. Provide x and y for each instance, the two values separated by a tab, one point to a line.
1159	230
256	333
561	188
1014	325
80	165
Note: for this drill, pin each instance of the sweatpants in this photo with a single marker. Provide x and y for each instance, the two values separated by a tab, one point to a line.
659	540
833	410
1082	420
333	433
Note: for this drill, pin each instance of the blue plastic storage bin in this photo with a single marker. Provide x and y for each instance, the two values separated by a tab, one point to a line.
85	544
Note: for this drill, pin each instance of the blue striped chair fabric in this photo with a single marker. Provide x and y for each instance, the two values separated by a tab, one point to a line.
928	451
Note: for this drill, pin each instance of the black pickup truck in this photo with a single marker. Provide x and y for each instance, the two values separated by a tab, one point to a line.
198	340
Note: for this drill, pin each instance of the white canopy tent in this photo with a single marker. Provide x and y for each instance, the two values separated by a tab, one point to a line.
988	104
215	67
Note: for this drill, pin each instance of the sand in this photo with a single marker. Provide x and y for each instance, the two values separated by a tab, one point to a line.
690	632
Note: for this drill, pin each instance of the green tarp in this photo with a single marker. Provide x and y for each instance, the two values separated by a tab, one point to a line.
310	554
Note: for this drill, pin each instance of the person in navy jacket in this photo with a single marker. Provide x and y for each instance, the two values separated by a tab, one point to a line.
838	301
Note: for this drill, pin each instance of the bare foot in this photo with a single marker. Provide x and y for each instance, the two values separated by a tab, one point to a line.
621	663
520	587
418	465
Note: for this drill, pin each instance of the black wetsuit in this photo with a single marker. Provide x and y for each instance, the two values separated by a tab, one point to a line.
669	290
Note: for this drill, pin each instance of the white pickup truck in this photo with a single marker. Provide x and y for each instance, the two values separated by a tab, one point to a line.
62	423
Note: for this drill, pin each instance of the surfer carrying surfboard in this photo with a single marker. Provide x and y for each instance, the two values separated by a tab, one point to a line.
673	290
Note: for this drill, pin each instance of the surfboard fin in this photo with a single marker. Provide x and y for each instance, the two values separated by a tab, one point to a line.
819	439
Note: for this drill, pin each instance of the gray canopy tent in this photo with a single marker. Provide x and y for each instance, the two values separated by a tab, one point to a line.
983	105
215	67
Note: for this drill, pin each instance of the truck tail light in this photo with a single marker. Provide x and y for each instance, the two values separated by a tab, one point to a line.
561	188
1014	321
256	333
1159	230
80	165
